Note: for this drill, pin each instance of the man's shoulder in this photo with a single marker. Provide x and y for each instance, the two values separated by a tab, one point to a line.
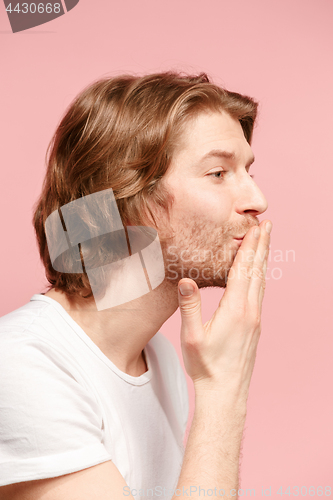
28	321
29	339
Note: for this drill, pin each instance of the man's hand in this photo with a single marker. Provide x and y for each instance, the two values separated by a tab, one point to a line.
221	353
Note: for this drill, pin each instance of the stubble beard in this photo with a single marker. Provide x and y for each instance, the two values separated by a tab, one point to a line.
202	252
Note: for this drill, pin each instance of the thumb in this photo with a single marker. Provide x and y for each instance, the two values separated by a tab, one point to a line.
190	307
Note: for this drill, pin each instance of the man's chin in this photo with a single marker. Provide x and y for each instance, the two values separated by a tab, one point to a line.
213	284
207	277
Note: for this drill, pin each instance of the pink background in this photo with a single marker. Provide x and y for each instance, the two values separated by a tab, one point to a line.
279	52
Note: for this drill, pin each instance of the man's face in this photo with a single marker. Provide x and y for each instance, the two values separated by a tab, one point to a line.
210	208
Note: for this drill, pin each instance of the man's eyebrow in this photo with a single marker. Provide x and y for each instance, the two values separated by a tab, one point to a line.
229	155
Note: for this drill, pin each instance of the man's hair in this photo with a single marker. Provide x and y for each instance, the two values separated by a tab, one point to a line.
121	133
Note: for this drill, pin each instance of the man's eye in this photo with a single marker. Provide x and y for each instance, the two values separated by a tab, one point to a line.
217	174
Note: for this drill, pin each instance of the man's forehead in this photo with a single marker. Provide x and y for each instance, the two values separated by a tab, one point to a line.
211	125
214	135
227	154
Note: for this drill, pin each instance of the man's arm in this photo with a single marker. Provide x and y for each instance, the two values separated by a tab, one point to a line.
212	451
211	459
100	482
219	357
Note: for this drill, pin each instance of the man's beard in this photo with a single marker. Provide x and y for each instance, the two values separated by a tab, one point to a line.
202	252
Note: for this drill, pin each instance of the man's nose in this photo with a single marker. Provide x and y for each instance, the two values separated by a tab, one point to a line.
250	199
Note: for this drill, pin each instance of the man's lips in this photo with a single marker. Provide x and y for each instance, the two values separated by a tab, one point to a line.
242	236
238	241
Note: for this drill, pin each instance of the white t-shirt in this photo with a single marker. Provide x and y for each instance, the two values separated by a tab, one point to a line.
64	406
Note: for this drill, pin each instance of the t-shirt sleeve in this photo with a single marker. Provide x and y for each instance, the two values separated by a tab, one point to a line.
50	423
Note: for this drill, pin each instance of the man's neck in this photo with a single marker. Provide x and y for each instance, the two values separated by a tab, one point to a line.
122	332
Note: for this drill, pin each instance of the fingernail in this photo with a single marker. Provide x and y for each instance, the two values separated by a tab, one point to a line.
269	226
257	232
186	289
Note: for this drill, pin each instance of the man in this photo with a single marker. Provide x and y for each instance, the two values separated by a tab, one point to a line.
94	404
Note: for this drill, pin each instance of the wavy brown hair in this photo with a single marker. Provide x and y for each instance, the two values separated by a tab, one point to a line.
121	133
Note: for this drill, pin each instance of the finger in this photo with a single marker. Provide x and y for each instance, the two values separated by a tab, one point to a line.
189	300
263	284
239	276
258	264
